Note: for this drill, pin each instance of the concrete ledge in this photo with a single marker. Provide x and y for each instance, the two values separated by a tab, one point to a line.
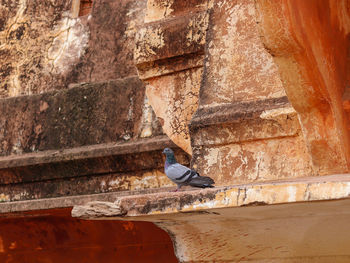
301	190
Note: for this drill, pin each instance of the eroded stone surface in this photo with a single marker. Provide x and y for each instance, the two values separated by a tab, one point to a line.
40	44
179	92
299	190
240	224
237	66
112	26
168	54
45	45
132	166
311	53
70	118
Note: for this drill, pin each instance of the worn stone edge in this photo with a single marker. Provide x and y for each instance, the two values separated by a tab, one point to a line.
269	193
84	152
69	201
235	112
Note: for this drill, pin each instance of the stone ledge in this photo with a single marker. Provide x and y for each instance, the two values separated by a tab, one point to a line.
300	190
244	122
35	206
88	170
237	112
68	118
82	161
84	152
185	34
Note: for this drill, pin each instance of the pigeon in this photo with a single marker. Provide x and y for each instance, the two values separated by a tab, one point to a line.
182	175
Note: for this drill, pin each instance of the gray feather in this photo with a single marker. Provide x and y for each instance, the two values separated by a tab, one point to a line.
201	181
179	174
182	175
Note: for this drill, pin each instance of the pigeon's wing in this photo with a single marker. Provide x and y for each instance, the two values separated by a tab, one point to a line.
180	174
201	181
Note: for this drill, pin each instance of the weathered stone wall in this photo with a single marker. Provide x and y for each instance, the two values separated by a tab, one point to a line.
82	101
225	100
310	41
45	46
169	56
267	98
40	44
255	91
222	83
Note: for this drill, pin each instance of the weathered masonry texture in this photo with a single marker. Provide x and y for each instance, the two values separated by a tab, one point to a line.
253	93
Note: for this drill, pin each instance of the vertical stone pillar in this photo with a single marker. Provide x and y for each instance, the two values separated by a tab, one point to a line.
169	57
244	130
309	42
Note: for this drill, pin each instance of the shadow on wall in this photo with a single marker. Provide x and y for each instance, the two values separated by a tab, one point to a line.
53	236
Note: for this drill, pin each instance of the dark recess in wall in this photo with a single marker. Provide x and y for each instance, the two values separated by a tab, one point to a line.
85	7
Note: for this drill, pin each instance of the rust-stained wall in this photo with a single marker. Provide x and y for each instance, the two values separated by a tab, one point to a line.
53	236
310	41
169	56
266	96
255	91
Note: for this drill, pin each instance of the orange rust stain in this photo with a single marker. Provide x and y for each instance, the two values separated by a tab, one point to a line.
128	225
85	7
2	250
54	236
317	45
346	105
13	245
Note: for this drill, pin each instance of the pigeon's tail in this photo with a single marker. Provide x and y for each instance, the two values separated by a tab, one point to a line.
201	181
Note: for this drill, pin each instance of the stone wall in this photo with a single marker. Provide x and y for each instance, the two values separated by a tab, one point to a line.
46	45
72	102
267	99
255	91
229	82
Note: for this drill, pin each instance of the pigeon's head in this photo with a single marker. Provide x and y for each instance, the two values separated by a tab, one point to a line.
170	157
168	151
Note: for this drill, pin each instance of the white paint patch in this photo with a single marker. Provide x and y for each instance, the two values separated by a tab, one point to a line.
69	43
20	196
212	157
147	118
203	205
272	114
114	182
144	182
292	191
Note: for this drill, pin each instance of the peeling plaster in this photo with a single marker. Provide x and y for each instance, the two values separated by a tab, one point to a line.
274	113
68	45
241	71
4	198
157	10
153	39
